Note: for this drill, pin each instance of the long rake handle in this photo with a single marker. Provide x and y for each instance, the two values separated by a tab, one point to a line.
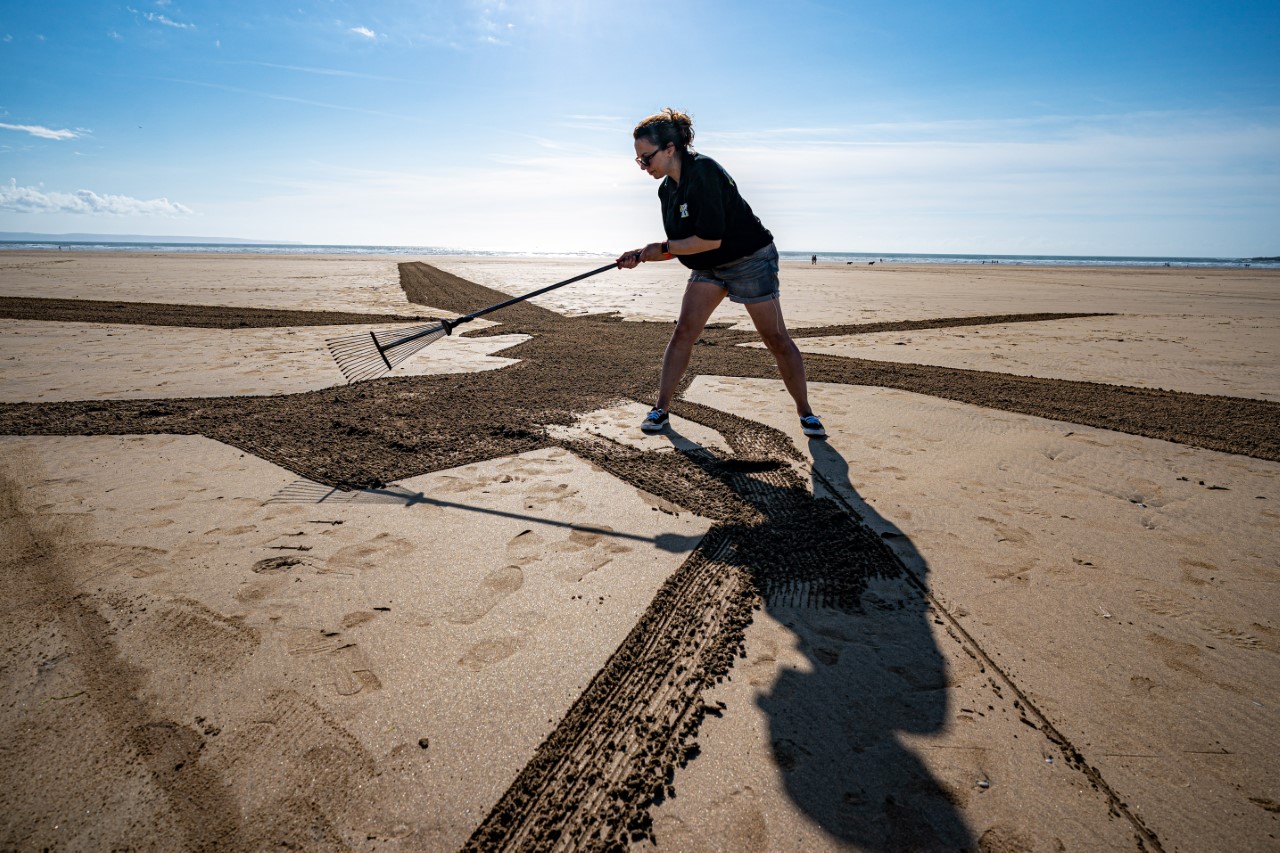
449	325
609	266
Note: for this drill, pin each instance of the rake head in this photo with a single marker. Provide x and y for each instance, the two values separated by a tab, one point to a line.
368	355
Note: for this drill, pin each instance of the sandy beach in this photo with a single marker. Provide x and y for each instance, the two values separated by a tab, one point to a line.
1022	598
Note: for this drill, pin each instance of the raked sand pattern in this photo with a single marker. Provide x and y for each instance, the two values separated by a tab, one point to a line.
720	570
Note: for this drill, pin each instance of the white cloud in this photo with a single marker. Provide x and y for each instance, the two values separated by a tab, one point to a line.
366	32
161	19
42	132
33	200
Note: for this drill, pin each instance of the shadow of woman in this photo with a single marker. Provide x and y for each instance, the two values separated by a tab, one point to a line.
873	673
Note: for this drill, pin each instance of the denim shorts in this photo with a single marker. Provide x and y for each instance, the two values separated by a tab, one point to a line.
750	279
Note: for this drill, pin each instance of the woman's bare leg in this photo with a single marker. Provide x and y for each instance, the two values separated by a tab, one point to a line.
700	299
767	317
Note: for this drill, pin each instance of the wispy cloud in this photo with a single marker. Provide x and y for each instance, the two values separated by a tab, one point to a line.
42	132
489	29
366	32
168	22
33	200
325	72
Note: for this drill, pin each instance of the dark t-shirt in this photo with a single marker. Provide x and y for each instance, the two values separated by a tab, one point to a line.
706	203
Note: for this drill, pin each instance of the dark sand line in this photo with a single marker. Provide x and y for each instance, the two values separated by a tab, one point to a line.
195	316
1240	425
592	783
396	427
922	325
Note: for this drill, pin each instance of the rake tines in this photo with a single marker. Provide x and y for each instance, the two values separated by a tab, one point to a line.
368	355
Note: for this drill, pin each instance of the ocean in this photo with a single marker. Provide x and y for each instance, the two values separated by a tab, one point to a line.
848	258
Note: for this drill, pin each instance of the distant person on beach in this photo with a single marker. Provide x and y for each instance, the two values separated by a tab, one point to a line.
712	231
814	260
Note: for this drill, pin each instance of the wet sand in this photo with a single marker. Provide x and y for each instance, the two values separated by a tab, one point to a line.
1010	604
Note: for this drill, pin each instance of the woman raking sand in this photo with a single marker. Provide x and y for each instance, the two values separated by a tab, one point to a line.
712	231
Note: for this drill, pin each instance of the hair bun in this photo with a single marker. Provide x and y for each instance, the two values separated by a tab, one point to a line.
683	125
668	126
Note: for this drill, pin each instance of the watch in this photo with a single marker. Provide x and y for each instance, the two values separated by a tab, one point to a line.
666	247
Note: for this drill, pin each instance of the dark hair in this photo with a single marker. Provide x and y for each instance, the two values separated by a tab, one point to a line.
668	126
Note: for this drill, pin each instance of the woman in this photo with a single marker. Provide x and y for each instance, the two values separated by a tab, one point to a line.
712	231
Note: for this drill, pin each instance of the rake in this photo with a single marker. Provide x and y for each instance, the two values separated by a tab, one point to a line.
368	355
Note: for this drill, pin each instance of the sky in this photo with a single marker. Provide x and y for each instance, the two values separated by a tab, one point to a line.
1122	127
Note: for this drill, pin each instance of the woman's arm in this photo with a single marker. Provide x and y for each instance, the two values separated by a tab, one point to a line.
666	251
690	245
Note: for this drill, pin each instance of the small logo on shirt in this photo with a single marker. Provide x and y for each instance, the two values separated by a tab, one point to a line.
684	211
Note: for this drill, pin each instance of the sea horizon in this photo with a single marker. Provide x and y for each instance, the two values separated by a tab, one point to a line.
228	246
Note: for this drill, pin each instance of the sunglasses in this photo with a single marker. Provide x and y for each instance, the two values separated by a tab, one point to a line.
645	159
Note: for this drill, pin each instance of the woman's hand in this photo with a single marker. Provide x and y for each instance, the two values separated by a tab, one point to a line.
651	252
630	260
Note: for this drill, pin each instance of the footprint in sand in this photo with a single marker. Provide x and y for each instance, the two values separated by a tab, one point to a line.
454	484
288	743
1186	613
502	646
738	818
138	561
371	554
586	550
489	651
186	635
273	576
496	586
594	551
544	494
340	663
1005	532
526	547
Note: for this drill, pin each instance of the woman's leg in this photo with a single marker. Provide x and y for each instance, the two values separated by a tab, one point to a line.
767	317
700	299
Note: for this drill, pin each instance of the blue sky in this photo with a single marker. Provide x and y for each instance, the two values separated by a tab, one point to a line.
987	127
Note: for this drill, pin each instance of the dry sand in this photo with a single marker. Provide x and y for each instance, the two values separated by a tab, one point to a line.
989	612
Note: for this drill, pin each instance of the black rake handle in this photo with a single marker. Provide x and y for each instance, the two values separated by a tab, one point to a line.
450	325
609	266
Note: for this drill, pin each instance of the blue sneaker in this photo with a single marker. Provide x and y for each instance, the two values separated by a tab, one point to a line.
812	426
655	421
